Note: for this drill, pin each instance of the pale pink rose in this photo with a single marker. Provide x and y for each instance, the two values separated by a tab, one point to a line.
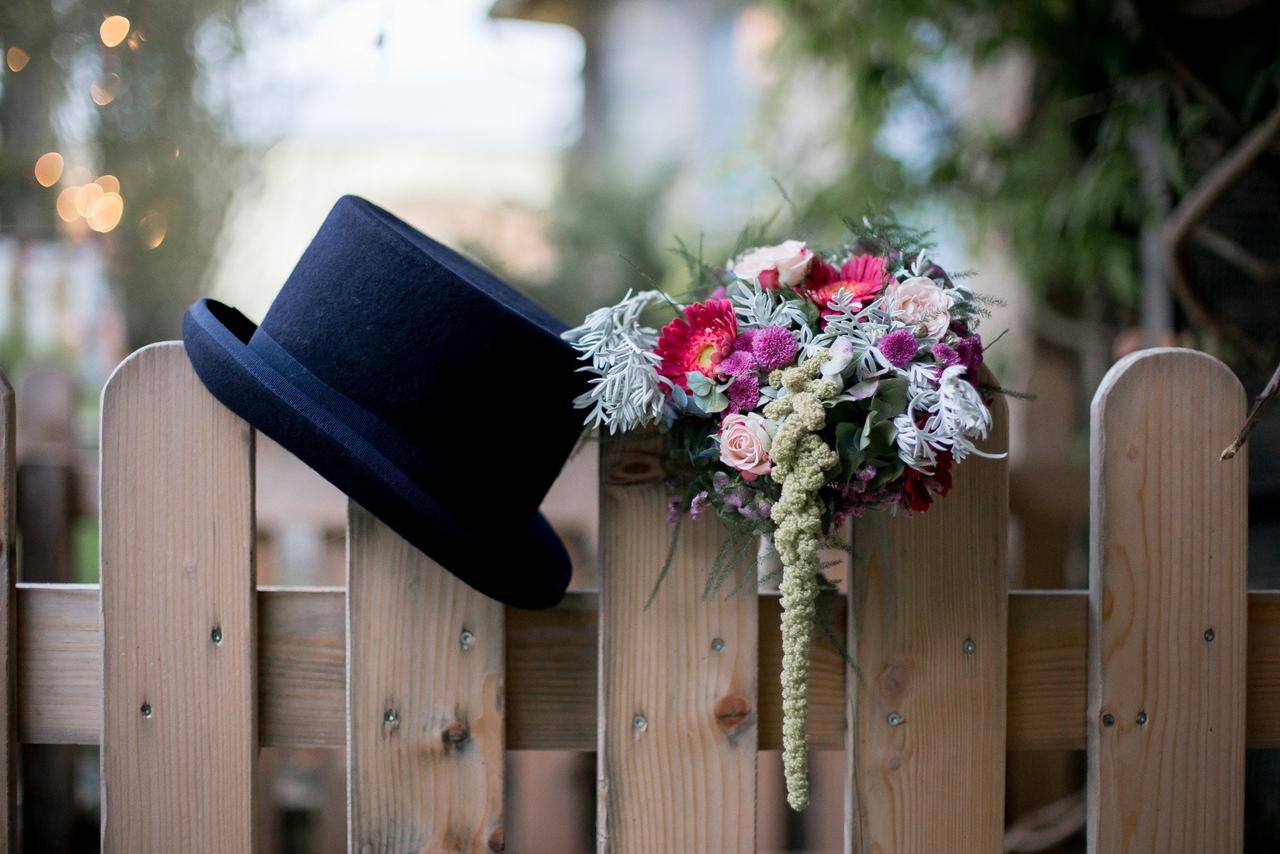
920	302
774	266
745	441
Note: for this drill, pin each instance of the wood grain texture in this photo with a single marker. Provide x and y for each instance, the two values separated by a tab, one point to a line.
1167	565
553	670
425	709
926	743
1048	669
179	663
302	659
8	620
677	761
827	671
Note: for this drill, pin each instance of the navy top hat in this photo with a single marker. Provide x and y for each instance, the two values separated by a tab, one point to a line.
419	384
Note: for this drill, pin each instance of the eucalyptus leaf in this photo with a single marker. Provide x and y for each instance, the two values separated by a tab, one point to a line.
849	449
717	401
886	474
891	396
699	383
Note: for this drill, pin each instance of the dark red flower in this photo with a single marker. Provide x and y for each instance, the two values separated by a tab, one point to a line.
919	488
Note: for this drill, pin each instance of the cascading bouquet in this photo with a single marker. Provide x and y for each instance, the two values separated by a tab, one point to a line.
803	389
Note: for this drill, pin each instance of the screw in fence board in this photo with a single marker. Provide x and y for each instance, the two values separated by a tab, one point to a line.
177	558
926	742
677	721
1167	563
8	621
425	716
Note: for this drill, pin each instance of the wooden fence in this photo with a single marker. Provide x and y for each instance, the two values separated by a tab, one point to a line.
181	667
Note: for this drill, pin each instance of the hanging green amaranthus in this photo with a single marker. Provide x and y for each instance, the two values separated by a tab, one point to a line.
800	460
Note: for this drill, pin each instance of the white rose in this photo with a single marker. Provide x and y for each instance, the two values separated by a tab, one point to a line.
920	302
774	266
745	441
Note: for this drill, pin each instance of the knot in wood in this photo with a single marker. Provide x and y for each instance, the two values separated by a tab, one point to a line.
455	736
893	680
732	711
633	468
497	840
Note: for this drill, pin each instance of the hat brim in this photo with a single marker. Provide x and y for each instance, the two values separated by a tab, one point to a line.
526	565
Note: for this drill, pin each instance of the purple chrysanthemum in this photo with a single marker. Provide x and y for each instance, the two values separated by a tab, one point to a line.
774	347
945	355
739	362
743	341
698	504
899	348
969	351
744	393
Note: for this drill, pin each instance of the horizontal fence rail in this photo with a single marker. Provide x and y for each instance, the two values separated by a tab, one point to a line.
552	664
179	665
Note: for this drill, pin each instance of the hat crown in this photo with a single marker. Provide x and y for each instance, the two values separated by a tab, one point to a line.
470	379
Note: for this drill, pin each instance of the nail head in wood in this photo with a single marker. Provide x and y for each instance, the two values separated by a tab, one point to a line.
894	719
466	640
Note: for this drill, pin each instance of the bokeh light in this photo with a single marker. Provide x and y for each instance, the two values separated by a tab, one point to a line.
86	195
49	168
136	38
114	30
104	89
105	212
16	58
108	183
67	205
153	227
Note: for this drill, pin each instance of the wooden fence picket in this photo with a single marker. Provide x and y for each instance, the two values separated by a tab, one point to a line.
678	692
424	701
1167	608
8	620
928	600
179	639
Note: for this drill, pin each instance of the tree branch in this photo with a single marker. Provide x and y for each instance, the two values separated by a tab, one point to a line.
1195	205
1228	250
1221	177
1273	385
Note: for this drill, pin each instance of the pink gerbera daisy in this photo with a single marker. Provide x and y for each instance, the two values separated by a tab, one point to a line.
862	277
698	341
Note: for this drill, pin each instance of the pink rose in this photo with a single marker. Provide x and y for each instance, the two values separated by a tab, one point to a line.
744	443
920	302
774	266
